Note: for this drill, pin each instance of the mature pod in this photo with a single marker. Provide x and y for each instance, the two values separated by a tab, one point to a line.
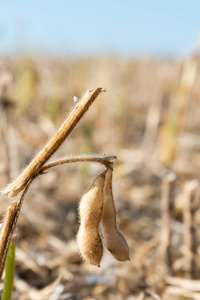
112	237
90	210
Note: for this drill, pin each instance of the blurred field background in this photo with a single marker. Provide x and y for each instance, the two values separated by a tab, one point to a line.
148	118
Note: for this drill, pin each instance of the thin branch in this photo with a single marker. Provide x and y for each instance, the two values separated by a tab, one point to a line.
6	233
63	132
9	224
105	160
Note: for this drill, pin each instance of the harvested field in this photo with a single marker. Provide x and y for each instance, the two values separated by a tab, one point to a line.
149	119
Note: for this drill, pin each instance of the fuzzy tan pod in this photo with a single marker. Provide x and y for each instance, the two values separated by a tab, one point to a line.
112	237
90	211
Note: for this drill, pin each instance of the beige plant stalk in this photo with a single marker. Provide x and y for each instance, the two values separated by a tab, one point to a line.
38	167
66	128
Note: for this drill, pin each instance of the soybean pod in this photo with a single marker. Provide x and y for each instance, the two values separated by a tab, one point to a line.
112	237
90	211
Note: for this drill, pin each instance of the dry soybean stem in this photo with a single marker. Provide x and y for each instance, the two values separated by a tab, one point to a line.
66	128
8	227
6	233
105	160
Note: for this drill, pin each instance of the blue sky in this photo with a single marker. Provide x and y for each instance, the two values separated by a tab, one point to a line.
125	27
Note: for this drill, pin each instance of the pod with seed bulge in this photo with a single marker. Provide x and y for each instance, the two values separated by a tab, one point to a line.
90	210
112	237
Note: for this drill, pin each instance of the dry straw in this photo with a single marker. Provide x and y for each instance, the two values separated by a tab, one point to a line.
66	128
38	166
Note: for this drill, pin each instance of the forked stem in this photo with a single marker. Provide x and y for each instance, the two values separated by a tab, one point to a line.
38	166
63	132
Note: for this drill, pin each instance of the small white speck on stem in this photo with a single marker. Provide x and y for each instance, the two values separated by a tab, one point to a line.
75	99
